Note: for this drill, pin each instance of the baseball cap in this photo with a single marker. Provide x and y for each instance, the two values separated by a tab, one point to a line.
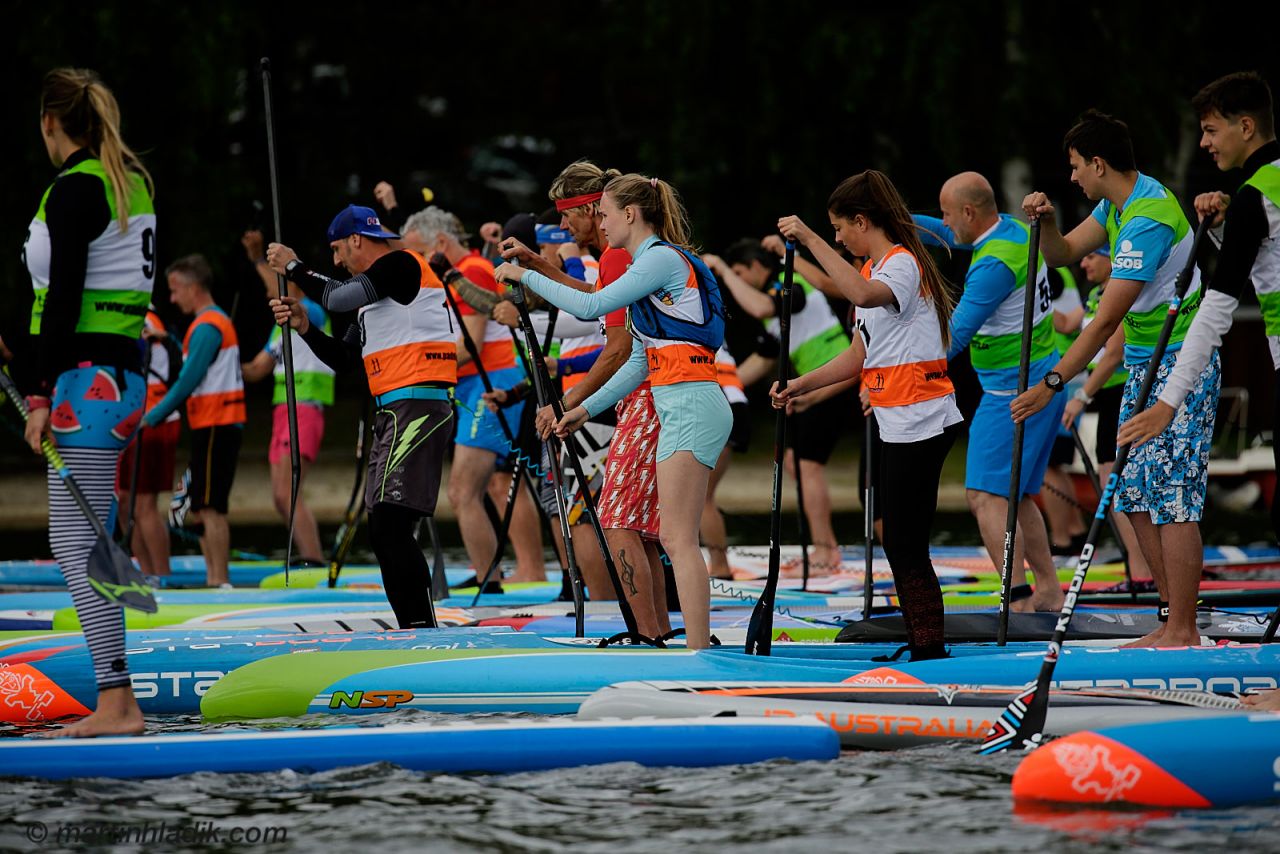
522	228
552	234
1104	249
356	219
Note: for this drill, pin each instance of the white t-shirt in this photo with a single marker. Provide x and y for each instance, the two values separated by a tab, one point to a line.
902	335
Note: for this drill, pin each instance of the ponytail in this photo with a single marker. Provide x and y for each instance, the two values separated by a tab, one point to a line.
659	206
873	195
90	116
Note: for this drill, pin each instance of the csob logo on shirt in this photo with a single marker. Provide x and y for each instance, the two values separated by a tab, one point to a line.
1126	257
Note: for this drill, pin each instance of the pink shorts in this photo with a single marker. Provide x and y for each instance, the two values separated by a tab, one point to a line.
629	497
310	432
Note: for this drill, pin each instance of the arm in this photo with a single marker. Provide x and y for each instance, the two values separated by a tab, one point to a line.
813	274
755	368
848	281
846	366
1066	322
616	352
622	383
656	268
755	303
987	285
259	368
934	232
813	398
205	343
474	324
1059	251
395	275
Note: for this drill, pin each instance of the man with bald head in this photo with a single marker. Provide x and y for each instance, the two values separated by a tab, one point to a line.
988	320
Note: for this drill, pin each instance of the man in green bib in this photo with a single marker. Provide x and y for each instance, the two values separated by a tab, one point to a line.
1163	484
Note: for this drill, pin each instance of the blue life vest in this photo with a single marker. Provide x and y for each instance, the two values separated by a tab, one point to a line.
648	319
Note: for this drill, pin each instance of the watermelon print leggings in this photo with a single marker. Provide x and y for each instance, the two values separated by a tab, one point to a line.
95	413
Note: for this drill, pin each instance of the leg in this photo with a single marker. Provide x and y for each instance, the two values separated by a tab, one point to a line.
215	545
991	511
1138	567
1183	552
712	528
150	536
682	489
72	537
468	479
658	585
636	577
1034	538
406	576
1064	518
306	534
526	531
817	510
1148	537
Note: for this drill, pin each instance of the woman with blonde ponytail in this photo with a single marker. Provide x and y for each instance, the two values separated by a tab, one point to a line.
677	323
904	311
90	251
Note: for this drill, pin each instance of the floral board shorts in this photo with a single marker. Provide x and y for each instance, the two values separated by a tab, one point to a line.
1167	476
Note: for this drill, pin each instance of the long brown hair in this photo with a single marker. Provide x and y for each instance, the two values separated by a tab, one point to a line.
659	205
873	195
90	116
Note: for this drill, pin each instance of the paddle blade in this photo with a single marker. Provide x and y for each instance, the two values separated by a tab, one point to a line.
113	576
1020	726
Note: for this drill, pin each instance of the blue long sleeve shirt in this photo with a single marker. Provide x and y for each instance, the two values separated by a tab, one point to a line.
206	340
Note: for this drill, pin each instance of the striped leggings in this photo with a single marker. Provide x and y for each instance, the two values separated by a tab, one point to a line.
71	538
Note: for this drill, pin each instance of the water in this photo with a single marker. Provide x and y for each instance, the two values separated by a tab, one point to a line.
943	798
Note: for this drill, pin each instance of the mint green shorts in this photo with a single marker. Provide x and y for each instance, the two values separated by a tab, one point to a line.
694	416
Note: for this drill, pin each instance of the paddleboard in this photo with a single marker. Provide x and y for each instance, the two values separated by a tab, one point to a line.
1209	762
453	748
890	717
1085	625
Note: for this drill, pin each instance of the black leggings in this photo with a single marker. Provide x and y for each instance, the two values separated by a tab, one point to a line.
406	578
908	496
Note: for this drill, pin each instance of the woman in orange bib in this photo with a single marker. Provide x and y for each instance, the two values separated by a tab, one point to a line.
900	352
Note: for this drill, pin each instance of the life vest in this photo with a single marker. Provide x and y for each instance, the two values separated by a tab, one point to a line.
1265	273
681	332
727	376
312	378
497	351
219	398
407	345
906	362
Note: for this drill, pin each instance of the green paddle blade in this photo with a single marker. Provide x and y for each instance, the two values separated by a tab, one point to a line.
113	576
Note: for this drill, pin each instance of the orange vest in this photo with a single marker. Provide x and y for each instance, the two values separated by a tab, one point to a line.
407	345
894	373
678	361
219	399
497	350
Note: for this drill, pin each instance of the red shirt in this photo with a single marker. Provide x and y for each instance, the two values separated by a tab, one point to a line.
613	263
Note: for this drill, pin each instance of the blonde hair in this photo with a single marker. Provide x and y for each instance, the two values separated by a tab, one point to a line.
873	195
580	178
90	116
659	206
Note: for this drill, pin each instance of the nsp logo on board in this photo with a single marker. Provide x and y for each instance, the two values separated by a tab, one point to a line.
1126	257
368	699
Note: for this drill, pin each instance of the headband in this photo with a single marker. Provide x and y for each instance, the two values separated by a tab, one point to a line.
572	202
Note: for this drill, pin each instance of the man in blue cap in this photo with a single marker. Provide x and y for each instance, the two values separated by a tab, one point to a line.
406	340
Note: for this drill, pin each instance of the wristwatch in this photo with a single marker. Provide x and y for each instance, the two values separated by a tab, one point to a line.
1082	396
1053	380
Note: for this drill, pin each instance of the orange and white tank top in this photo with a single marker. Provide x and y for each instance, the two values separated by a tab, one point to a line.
158	367
219	398
906	366
406	345
673	362
727	376
572	346
497	351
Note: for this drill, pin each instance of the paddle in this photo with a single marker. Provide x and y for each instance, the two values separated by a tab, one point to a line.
1019	430
355	504
1111	520
286	335
545	397
868	515
760	629
1022	723
112	574
439	583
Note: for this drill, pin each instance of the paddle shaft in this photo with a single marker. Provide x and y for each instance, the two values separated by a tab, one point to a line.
1111	516
439	583
546	397
760	628
1029	714
868	514
286	334
355	504
1019	431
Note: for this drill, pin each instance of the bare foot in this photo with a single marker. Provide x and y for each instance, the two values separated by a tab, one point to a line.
117	714
1050	600
1267	701
1022	606
1154	639
1172	638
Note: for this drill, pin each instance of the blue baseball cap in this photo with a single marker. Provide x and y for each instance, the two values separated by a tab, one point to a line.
356	219
1104	249
550	234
